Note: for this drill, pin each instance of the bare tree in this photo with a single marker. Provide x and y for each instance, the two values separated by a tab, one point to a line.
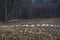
6	19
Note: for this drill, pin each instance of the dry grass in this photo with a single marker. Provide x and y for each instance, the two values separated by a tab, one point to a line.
19	33
35	21
22	33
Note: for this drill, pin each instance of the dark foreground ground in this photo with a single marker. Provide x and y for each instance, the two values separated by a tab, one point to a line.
32	33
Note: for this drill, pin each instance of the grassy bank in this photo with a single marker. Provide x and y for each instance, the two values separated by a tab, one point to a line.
22	33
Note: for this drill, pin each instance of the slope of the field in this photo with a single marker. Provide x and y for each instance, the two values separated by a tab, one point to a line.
32	33
35	21
21	33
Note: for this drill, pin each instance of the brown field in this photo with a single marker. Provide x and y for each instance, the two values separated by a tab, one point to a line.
21	33
36	33
34	21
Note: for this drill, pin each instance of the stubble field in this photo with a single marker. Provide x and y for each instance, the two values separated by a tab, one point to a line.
31	33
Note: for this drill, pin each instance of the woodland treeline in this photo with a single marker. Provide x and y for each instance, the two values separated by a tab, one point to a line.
28	9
